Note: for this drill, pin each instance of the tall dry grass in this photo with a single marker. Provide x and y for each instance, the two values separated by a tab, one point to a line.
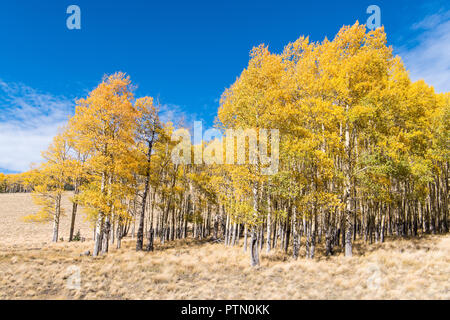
33	268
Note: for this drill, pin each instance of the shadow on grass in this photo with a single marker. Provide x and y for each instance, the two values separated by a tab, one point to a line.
359	247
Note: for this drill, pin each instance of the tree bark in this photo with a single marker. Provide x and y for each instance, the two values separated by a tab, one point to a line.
254	241
295	245
74	213
56	218
269	211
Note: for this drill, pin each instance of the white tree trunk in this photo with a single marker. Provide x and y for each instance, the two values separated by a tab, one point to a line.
254	254
347	193
56	218
269	209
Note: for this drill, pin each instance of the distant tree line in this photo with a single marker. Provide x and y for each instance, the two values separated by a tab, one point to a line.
14	183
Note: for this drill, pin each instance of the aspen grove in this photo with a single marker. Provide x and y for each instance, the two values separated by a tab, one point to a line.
363	155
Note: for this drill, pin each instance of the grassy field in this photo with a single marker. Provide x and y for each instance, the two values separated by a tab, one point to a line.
33	268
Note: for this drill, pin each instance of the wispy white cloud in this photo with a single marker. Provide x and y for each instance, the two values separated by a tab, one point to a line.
176	115
431	21
172	113
429	58
28	121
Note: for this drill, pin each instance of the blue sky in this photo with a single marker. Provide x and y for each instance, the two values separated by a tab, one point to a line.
184	52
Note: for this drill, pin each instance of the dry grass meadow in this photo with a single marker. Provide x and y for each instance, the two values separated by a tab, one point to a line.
33	268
